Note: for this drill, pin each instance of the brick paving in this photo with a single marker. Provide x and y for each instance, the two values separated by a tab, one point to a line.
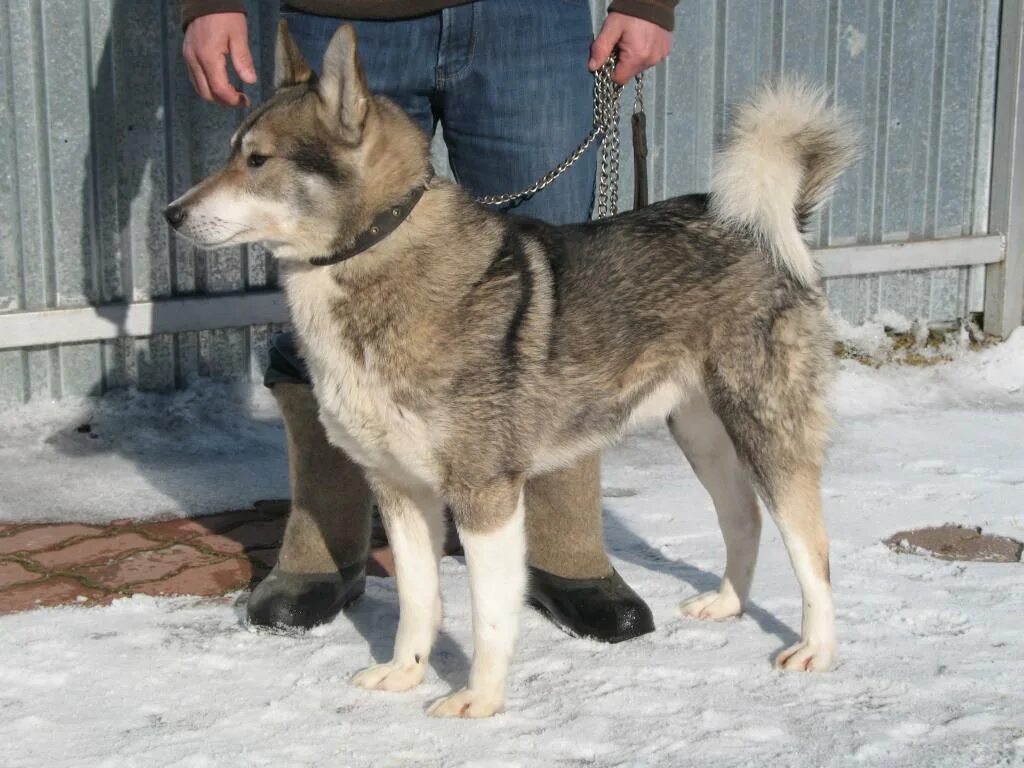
59	564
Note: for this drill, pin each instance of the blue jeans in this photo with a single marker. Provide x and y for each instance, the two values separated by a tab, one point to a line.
507	80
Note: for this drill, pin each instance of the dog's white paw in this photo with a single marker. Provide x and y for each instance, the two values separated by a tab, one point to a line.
807	656
712	605
466	703
390	677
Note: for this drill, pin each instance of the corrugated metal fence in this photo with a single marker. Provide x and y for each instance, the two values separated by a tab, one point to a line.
99	128
921	76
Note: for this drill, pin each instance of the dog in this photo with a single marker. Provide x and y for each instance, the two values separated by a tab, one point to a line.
456	351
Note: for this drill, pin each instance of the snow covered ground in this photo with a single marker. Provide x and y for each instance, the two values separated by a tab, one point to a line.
931	668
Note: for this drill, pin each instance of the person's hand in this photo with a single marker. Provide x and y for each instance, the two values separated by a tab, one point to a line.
641	44
208	40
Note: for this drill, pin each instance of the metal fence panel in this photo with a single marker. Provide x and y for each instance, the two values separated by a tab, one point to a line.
99	128
919	75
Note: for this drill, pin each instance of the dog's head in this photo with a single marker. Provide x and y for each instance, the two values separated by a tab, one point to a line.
309	168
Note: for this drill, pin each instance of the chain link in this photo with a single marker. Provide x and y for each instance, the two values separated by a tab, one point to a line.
606	101
638	99
606	126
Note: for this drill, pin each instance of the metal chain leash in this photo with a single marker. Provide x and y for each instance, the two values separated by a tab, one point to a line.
606	103
606	126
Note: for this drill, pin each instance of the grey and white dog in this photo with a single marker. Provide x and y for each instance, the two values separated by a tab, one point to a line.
466	351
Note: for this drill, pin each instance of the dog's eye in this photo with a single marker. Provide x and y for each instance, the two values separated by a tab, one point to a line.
256	161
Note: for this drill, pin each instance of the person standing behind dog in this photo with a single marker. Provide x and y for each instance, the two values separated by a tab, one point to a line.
510	82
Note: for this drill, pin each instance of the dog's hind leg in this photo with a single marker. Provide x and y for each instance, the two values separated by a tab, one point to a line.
416	533
796	509
491	526
708	448
772	403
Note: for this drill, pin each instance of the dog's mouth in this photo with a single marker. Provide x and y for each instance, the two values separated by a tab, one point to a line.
228	240
210	232
231	239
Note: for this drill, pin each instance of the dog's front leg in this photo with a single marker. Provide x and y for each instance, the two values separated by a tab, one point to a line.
415	529
490	523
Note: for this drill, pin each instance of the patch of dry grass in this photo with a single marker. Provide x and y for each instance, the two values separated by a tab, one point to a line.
919	347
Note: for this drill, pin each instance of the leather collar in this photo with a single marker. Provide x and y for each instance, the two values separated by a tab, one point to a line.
383	224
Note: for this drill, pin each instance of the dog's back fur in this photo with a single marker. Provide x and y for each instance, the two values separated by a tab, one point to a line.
470	350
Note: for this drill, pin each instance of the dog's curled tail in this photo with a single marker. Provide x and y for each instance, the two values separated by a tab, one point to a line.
785	151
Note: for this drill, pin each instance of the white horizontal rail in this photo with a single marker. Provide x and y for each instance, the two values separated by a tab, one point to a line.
854	260
112	321
203	313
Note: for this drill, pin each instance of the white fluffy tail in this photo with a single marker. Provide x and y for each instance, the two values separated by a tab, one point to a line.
785	151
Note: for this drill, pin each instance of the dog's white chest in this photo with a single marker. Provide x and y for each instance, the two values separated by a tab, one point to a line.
361	418
357	409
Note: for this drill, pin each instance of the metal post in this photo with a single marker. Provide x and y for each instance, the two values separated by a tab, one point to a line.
1004	281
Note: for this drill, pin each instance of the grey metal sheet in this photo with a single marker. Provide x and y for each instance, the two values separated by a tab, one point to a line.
10	208
99	128
919	76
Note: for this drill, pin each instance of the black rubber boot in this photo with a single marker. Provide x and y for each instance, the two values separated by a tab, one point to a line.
605	609
301	601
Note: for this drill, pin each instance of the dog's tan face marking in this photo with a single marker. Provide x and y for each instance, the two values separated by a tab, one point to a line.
304	174
283	172
309	169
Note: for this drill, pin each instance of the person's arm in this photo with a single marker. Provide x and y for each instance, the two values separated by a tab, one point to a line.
215	29
641	30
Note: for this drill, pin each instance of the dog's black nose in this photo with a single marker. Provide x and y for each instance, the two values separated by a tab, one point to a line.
175	214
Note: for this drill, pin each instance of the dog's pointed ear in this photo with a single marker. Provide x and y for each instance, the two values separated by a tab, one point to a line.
290	66
343	85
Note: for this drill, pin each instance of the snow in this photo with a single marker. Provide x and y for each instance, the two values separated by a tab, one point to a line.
931	669
209	448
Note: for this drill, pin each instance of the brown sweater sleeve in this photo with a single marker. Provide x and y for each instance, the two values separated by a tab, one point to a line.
661	12
192	9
